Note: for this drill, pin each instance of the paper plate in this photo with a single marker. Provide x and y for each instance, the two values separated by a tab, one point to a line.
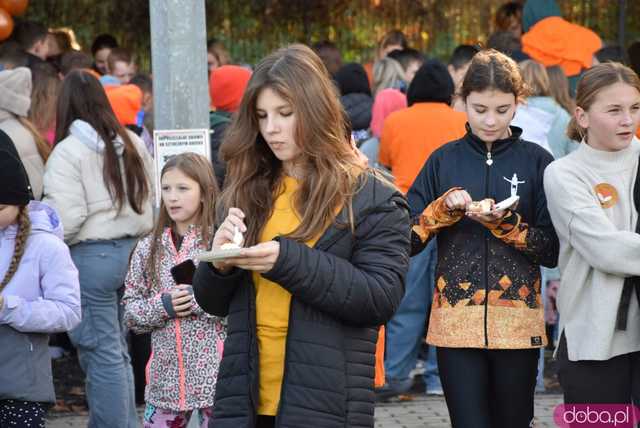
211	256
507	203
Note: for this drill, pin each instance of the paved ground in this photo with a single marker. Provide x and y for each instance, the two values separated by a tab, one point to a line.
431	411
423	411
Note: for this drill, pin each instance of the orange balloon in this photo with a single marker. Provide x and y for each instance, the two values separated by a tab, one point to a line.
6	24
14	7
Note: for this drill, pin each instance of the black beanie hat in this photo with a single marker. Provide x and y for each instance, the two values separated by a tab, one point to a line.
15	188
432	83
352	78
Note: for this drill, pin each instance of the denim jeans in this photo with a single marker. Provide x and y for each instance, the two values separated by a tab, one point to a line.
405	331
100	337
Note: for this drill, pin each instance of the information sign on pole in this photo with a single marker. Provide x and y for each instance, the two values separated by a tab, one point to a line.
171	142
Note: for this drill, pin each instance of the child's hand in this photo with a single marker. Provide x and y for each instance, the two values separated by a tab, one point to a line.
259	258
458	200
225	234
489	217
182	299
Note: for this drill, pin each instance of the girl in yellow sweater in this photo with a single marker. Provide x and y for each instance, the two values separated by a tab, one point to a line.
325	254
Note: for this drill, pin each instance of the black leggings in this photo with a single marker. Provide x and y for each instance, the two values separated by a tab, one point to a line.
616	380
487	388
22	414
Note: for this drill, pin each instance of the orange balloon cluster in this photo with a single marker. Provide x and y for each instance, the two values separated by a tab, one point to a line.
8	9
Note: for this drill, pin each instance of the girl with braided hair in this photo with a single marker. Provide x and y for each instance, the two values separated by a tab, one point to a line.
39	294
98	179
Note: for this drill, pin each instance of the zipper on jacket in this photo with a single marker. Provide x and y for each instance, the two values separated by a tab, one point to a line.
489	162
182	404
284	372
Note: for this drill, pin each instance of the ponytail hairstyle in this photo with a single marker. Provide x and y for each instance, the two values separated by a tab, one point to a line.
490	69
199	169
82	97
44	95
592	82
24	229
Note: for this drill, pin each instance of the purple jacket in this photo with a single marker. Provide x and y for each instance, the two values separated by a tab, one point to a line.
44	294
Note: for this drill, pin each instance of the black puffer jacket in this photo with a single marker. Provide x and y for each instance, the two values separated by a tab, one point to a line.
219	121
358	107
342	289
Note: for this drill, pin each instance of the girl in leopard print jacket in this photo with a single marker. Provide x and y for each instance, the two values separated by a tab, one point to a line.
186	342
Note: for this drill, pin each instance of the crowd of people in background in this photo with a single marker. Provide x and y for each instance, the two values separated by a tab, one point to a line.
362	264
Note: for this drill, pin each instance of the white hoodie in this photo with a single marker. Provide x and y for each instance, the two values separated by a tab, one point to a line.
74	186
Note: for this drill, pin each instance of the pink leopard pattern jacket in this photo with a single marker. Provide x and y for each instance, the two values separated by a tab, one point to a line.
186	352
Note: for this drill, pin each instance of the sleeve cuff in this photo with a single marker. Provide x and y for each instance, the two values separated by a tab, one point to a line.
436	216
282	256
167	305
509	229
10	303
232	272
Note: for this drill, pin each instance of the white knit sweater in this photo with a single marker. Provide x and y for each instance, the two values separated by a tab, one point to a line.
598	248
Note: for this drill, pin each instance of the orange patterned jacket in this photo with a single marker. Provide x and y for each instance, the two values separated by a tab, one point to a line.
487	292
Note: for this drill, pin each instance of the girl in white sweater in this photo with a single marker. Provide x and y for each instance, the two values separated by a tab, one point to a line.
590	196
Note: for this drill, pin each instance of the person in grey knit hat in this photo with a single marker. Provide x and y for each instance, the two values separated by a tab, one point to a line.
15	86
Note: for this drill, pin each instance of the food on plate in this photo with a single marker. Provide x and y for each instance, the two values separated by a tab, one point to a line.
483	206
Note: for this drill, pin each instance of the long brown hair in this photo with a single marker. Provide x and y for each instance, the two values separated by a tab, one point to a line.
44	150
536	78
24	228
592	82
82	97
44	95
559	88
329	163
199	169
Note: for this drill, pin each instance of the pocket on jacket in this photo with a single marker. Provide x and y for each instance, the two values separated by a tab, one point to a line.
16	374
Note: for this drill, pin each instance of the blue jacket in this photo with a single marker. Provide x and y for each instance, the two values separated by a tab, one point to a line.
42	297
560	144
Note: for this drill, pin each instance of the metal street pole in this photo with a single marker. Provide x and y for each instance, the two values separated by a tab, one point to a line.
179	64
622	6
